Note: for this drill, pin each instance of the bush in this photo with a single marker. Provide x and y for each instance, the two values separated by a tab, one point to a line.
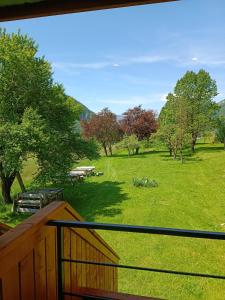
129	142
144	182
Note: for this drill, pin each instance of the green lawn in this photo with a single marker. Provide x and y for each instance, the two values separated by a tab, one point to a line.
189	196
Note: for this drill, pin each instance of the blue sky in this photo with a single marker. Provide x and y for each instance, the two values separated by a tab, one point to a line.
125	57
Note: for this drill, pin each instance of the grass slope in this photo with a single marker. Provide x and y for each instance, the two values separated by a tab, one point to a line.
189	196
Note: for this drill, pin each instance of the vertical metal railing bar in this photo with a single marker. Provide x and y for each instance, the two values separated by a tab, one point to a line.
59	264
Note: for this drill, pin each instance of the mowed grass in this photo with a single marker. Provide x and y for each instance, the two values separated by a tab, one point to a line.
189	196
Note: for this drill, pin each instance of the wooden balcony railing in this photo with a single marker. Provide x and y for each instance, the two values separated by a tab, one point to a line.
56	255
28	257
62	259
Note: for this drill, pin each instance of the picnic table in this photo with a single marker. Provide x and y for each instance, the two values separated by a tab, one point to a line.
75	175
87	169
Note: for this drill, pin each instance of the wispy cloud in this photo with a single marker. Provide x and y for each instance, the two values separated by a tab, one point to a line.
136	100
182	60
69	65
111	62
209	61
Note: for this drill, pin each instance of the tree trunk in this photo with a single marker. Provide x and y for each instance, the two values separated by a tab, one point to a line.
174	154
6	184
193	144
181	156
137	150
110	149
128	149
105	149
171	152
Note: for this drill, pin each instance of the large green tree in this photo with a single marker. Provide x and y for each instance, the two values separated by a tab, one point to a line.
197	90
36	117
173	125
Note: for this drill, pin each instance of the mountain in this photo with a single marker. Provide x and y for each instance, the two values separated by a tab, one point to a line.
86	113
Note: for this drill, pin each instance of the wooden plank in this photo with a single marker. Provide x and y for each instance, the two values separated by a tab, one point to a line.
84	266
56	7
40	271
106	275
94	269
87	257
67	265
27	279
91	268
74	283
11	284
102	273
79	266
51	267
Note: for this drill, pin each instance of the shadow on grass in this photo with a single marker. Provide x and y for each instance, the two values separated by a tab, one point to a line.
140	155
11	218
92	199
209	149
186	158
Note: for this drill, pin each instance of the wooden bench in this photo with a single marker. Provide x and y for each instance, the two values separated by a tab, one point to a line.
32	201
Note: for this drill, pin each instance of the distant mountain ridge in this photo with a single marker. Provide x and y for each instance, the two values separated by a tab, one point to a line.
86	113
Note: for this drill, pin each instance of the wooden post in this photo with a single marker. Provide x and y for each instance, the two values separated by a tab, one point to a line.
20	180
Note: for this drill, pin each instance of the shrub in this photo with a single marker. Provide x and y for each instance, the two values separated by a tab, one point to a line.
144	182
129	142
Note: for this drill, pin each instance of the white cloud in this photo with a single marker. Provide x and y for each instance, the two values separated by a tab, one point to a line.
194	58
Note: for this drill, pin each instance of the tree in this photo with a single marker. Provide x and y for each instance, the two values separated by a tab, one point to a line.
140	122
198	91
36	117
220	129
104	127
130	143
167	124
173	128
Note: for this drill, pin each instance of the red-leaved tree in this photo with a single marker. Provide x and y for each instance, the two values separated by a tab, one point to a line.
140	122
104	128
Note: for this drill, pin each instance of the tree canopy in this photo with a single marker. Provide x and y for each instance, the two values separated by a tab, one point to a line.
36	116
104	127
197	90
189	111
140	122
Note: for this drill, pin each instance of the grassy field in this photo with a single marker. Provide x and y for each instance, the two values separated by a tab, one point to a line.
189	196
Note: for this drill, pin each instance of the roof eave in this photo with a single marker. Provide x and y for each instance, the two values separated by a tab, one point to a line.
57	7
